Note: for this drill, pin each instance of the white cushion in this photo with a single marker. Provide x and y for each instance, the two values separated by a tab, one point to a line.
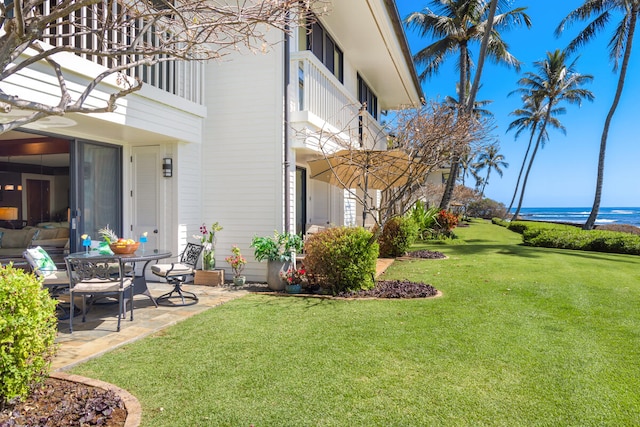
178	269
40	261
97	285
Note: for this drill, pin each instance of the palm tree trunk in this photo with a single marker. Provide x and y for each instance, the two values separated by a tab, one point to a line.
605	132
448	188
533	156
455	159
524	162
486	180
482	56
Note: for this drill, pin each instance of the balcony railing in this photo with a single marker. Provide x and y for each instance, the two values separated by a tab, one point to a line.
181	78
320	94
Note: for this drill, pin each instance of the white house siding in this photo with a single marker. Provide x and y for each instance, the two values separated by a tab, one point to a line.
167	117
242	152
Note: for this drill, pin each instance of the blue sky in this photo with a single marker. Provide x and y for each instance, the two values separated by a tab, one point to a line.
564	172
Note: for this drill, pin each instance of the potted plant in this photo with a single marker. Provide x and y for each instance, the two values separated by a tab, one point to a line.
208	240
278	250
293	277
237	263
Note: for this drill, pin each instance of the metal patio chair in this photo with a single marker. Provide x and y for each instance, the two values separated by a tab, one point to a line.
98	277
177	273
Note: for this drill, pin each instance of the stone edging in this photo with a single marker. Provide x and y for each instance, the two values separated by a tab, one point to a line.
131	404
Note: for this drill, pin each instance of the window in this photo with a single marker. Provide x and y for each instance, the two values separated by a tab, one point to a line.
367	97
325	49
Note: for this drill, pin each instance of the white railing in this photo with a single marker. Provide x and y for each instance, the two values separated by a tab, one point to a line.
321	94
181	78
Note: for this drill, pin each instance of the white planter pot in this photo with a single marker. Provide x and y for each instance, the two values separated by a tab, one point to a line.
274	280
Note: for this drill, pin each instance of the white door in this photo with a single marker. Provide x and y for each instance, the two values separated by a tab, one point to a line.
145	194
320	203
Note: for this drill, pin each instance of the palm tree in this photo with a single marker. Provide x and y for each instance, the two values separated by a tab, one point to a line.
529	117
466	165
454	25
490	159
619	47
555	83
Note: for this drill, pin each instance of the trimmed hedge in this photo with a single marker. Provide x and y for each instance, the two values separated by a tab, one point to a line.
342	258
562	236
586	240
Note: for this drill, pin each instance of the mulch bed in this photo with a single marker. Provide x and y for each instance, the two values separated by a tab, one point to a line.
425	254
65	403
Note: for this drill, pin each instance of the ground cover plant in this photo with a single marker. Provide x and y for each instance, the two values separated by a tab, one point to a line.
522	336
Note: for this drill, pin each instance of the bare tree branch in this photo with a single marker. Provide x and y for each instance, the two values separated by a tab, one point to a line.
127	36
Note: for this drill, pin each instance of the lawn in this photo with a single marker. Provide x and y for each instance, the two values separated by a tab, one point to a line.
522	336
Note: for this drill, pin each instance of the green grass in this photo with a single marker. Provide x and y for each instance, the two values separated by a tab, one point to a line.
522	336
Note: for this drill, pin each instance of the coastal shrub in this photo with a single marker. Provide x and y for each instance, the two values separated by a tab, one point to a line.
586	240
28	327
501	222
486	209
426	219
397	235
342	258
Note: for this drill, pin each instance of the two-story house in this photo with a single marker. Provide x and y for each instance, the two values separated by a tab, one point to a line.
225	141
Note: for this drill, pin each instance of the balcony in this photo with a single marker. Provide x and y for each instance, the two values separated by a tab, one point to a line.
180	78
322	106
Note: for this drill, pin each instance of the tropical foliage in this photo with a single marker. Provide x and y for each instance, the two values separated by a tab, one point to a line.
454	25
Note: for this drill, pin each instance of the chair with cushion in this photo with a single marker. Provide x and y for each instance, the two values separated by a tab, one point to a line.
176	274
99	277
43	266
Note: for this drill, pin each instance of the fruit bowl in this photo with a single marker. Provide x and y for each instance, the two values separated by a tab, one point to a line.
124	248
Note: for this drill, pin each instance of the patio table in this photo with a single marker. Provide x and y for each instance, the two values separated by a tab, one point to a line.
141	255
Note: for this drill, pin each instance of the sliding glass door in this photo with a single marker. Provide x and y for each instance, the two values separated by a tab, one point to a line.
96	189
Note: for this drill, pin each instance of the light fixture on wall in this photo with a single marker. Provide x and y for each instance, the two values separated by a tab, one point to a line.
8	213
167	167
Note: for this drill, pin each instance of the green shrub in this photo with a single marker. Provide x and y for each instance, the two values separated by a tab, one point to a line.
575	238
342	258
501	222
397	235
28	328
486	209
425	219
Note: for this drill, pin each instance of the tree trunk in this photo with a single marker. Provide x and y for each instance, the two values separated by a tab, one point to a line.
451	182
482	56
605	132
524	162
533	156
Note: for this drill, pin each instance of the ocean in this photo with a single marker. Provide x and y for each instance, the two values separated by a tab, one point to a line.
580	215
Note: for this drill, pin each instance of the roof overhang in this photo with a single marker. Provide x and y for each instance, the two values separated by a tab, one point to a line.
371	35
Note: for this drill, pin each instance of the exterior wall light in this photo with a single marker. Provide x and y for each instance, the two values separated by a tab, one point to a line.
167	167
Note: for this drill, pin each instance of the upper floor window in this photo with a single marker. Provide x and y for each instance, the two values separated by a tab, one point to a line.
367	98
325	49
